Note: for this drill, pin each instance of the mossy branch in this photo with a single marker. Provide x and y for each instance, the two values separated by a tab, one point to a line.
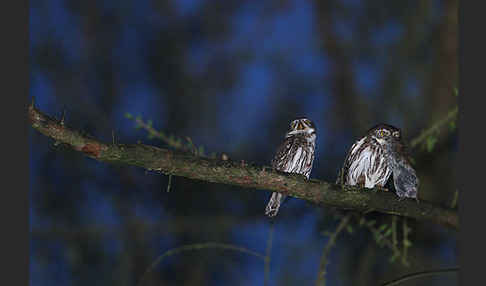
239	174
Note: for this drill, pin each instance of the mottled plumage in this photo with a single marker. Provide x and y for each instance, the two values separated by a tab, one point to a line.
405	179
376	156
294	155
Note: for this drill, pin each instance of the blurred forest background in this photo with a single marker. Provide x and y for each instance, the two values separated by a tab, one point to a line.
231	75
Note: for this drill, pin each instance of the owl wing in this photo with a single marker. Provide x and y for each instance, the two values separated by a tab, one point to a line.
283	154
343	173
405	180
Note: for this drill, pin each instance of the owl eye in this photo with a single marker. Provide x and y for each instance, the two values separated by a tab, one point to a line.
381	133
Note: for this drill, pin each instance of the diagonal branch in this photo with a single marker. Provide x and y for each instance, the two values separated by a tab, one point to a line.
327	249
434	129
239	174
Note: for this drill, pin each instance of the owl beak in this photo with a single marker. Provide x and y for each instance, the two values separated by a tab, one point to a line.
300	126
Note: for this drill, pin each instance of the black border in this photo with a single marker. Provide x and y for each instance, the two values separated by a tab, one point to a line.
472	196
15	126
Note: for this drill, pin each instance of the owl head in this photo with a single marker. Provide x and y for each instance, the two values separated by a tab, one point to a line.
385	134
302	125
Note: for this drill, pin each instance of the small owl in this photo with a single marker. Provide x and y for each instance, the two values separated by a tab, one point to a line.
374	157
295	155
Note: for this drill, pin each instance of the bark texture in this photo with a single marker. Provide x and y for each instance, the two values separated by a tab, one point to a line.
239	174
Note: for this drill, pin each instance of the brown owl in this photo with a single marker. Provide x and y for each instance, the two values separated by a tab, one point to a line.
295	155
374	157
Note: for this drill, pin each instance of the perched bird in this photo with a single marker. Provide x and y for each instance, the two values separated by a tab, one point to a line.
374	157
295	155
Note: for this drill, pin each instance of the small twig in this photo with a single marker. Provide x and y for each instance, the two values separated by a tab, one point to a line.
192	147
197	246
396	251
268	251
377	233
63	117
434	128
169	183
394	230
454	200
158	134
406	242
327	249
169	140
419	274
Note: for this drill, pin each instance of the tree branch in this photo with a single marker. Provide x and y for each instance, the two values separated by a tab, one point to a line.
198	246
327	249
268	257
419	274
434	129
240	174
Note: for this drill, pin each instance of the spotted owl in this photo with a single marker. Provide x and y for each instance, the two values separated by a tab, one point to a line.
374	157
295	155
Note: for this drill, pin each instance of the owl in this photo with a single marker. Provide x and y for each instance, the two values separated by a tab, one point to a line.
376	156
295	155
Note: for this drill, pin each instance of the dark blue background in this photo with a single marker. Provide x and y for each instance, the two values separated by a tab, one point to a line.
231	75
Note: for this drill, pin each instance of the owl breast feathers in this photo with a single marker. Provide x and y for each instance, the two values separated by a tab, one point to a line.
295	155
366	165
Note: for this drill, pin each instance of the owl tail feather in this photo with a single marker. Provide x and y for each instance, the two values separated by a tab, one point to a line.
274	204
